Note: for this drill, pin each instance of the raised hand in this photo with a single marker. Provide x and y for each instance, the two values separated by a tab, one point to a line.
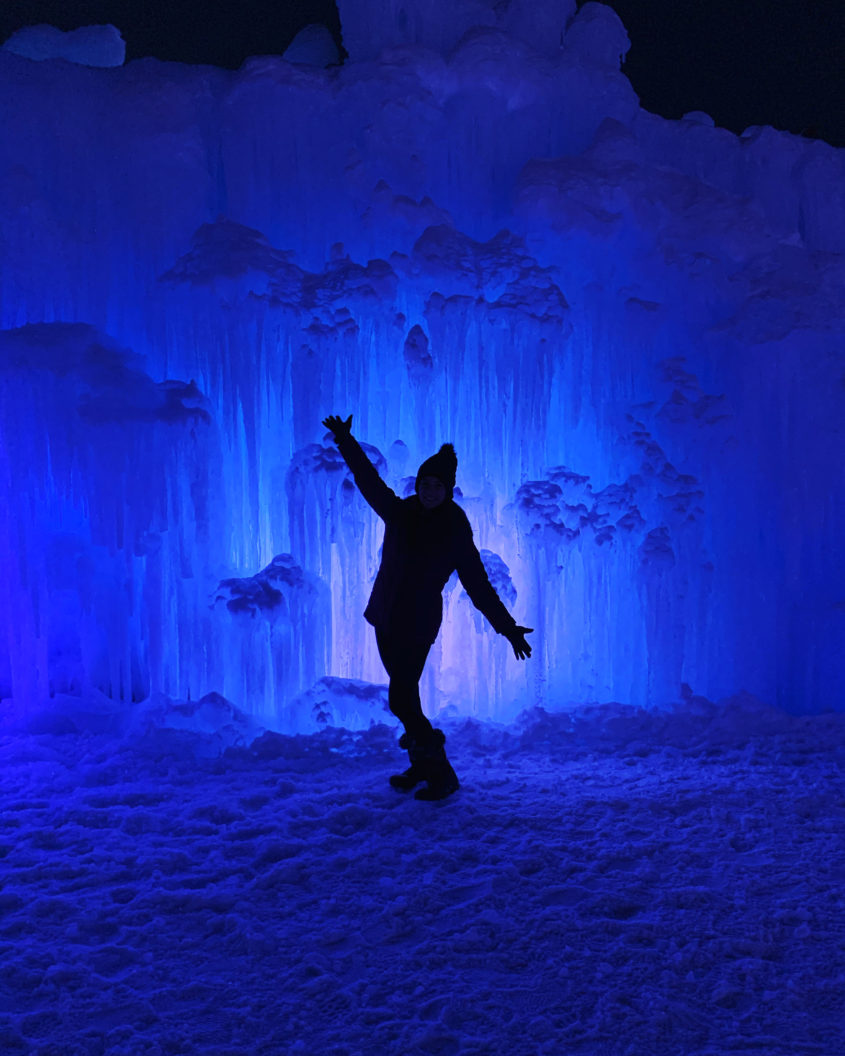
521	648
337	426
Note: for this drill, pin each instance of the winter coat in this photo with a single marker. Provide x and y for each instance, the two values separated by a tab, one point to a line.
421	549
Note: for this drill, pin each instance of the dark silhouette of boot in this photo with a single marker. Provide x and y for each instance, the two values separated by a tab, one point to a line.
415	774
441	779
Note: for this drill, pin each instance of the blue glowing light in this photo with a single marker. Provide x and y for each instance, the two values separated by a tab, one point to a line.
627	335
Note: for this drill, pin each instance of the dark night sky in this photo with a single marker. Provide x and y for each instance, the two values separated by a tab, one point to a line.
745	62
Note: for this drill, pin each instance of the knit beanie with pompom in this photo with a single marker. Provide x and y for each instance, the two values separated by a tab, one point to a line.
443	465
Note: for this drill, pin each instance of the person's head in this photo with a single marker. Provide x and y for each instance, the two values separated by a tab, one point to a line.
431	490
436	477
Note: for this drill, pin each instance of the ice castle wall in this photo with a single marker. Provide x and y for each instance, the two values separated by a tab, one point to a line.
630	328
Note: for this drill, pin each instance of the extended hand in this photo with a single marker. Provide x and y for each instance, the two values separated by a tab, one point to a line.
521	648
337	426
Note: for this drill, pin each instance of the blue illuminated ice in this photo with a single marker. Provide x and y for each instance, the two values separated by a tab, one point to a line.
312	46
630	328
369	28
88	45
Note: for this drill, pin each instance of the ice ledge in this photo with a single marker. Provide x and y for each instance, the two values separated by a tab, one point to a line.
86	46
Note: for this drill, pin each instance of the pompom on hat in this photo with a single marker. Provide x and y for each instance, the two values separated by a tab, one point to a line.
443	465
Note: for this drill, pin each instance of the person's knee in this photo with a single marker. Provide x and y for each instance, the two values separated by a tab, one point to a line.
403	681
403	689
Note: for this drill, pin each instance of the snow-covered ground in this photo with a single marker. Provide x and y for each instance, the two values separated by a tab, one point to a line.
606	882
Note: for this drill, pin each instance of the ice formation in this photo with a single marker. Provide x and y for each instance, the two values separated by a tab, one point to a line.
88	45
631	329
312	46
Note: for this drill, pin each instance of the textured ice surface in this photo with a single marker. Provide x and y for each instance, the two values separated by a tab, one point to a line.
369	28
88	45
312	46
630	328
609	882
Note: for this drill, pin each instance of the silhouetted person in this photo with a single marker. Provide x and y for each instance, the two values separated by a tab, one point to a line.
426	538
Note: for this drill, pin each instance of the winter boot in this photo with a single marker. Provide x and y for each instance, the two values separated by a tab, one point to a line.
411	777
437	771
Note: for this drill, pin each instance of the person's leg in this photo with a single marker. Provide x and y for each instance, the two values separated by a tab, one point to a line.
404	658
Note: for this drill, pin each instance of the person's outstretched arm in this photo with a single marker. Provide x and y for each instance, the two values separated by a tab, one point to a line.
482	594
370	484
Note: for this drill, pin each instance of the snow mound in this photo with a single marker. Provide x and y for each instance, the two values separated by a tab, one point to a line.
610	881
342	702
